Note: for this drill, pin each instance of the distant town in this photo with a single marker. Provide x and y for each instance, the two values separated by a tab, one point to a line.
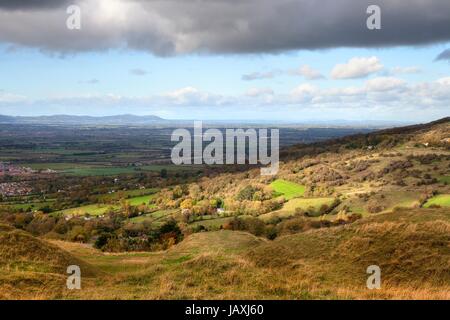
12	188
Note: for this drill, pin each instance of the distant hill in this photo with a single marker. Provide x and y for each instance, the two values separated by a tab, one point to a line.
129	119
125	119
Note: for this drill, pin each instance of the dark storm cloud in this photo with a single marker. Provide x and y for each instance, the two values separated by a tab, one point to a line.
227	26
445	55
31	4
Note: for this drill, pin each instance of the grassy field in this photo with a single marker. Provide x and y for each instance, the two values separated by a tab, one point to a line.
141	192
442	200
100	209
105	169
389	201
136	201
57	166
289	207
110	171
211	223
327	263
157	217
33	205
444	179
288	189
136	197
91	209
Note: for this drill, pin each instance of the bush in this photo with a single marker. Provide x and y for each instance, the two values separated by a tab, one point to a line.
102	240
246	193
271	233
171	230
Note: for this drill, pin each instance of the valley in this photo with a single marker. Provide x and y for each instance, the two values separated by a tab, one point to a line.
160	231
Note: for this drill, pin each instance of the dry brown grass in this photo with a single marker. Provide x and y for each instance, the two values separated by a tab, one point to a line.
411	247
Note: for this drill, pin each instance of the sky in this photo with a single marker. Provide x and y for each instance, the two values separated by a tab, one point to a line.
290	60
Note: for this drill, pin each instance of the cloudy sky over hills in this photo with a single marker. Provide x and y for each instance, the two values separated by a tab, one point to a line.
226	59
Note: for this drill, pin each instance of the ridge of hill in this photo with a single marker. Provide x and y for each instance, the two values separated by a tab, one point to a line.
30	265
435	133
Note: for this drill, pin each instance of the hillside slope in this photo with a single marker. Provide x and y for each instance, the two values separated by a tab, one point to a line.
30	266
386	180
410	246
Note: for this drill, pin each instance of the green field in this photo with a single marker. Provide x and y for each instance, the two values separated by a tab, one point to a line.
170	167
102	169
212	223
288	189
442	200
105	171
99	209
444	179
141	192
59	166
154	217
289	207
136	201
37	205
91	209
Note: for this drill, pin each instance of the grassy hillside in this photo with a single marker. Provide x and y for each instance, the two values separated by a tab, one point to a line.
410	246
32	268
289	209
333	209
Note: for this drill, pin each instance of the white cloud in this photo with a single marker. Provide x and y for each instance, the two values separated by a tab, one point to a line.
348	91
6	97
383	93
358	67
258	92
307	72
190	96
304	92
260	75
186	94
405	70
384	84
437	92
305	88
444	81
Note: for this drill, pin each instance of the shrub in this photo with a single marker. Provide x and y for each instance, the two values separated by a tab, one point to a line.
271	233
102	240
246	193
